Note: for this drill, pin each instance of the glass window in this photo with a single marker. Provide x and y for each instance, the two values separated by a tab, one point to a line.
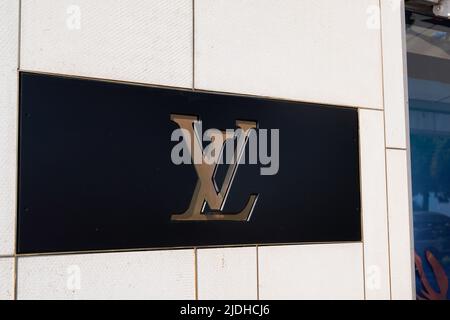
428	43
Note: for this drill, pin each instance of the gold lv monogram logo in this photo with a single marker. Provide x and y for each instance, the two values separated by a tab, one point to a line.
206	191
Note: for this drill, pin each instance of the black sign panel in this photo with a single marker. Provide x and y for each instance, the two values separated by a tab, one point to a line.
96	170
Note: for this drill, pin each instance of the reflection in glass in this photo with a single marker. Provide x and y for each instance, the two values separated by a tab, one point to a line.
428	42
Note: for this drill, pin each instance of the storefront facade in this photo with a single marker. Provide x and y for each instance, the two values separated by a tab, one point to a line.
341	214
